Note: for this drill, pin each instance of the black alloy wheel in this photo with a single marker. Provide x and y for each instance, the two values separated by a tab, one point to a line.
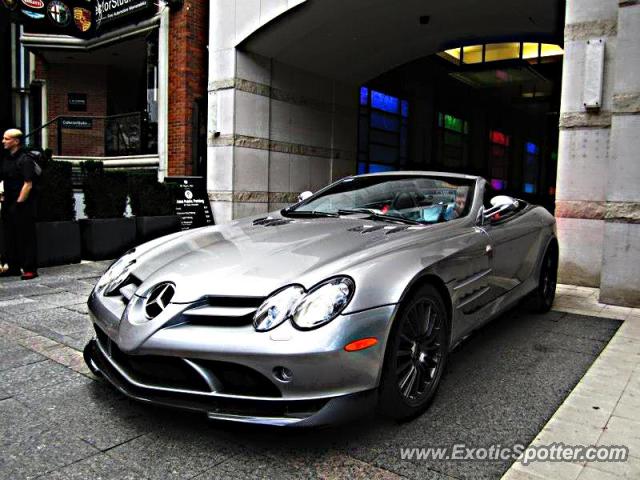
544	295
416	356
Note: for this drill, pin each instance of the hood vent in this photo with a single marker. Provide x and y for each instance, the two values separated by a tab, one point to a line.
272	222
375	228
397	229
363	229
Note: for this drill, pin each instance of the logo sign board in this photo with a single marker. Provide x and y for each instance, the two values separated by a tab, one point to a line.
33	15
77	102
82	18
35	4
192	202
79	18
112	11
76	123
59	13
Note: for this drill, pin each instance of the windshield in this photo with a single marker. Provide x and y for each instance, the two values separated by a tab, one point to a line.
415	198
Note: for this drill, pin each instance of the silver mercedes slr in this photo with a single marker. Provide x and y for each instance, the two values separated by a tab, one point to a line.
348	301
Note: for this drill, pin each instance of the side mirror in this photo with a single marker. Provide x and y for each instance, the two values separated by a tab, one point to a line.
304	195
500	205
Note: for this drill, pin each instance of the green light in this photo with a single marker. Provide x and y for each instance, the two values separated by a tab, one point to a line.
453	123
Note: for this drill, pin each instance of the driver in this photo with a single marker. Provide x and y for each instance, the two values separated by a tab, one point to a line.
455	209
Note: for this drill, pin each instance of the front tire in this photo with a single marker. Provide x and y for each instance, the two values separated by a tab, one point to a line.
416	355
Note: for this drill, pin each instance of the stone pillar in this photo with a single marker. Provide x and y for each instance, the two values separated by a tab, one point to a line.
583	156
598	195
620	280
274	131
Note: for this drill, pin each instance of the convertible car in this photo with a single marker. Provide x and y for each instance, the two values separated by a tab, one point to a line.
349	300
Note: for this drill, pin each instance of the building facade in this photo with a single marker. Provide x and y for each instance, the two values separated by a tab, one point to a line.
132	95
269	98
304	92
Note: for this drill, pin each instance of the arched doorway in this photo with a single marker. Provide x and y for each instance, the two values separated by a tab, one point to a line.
285	85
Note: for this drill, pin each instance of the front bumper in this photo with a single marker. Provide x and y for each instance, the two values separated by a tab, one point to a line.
229	372
276	412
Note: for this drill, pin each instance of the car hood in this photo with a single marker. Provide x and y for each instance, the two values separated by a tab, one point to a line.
252	258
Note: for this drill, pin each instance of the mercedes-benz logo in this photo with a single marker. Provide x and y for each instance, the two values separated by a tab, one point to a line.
159	298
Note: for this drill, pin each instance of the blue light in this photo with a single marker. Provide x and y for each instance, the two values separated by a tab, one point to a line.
376	167
362	168
364	96
529	188
532	148
404	107
384	102
385	122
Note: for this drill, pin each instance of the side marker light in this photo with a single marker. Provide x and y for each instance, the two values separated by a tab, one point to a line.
361	344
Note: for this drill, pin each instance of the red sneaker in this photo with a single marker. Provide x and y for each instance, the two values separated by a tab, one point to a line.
29	275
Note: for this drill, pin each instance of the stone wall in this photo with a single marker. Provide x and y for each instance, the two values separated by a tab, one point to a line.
274	131
598	199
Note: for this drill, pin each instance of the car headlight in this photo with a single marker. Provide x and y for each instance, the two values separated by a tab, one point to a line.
277	308
116	273
323	303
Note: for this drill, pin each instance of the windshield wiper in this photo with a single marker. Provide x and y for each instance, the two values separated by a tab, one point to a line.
307	213
378	216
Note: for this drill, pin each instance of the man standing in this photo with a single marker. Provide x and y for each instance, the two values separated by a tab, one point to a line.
18	208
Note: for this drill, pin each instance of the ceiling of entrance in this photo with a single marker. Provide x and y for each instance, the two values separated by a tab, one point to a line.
356	40
127	54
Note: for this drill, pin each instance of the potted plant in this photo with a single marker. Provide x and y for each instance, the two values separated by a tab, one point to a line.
57	231
153	205
106	233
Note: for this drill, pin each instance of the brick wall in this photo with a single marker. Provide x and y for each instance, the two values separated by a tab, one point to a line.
69	78
188	40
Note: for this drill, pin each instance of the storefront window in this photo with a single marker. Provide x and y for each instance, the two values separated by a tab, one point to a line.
452	141
383	132
498	158
531	167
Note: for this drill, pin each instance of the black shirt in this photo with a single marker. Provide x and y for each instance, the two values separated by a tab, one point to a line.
16	169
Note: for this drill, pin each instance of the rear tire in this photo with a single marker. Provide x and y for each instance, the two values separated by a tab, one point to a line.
416	355
542	297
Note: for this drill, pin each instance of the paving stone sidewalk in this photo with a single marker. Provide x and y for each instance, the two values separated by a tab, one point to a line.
58	422
604	408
